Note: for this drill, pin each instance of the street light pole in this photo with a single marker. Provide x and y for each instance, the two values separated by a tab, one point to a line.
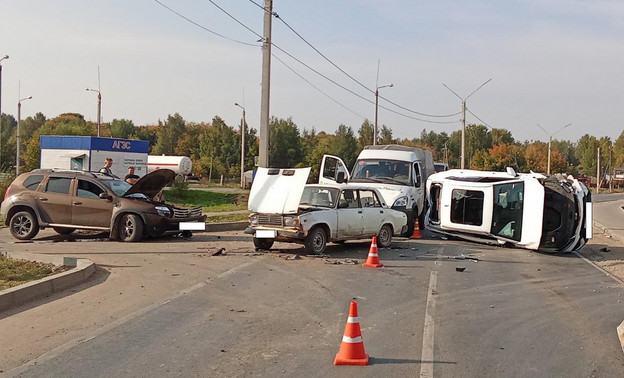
598	179
377	109
99	109
242	147
463	141
550	142
1	59
19	117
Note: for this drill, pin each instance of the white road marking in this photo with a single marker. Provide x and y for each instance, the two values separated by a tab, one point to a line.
426	358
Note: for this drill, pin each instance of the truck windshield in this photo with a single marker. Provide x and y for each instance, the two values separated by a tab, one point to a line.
507	212
377	170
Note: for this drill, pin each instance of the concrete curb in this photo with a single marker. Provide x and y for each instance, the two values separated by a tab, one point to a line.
21	294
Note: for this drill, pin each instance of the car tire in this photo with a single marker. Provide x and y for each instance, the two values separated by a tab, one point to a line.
130	228
63	230
24	225
316	241
384	238
263	243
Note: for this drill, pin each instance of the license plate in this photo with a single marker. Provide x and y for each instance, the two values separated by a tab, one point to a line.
262	234
192	226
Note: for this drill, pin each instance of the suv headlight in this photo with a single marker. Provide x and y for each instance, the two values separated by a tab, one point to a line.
163	211
400	202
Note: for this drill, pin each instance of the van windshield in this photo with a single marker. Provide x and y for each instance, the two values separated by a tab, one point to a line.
378	170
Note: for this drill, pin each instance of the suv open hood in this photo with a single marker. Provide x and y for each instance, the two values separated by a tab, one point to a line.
152	183
277	191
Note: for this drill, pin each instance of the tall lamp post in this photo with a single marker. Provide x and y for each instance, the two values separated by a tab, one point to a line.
377	109
19	117
550	142
242	146
463	135
1	59
99	112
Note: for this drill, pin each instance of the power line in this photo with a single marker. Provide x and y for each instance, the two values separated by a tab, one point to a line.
304	79
351	77
202	27
299	61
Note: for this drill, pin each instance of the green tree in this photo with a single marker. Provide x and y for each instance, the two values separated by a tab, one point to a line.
345	145
168	134
586	153
122	128
365	135
385	136
285	143
501	136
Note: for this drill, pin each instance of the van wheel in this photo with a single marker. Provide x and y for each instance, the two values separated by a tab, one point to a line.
384	238
130	228
24	225
316	241
263	243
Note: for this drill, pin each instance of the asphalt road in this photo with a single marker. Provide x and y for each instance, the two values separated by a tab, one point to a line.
169	308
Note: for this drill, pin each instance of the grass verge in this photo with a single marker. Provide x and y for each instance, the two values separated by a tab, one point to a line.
211	201
16	272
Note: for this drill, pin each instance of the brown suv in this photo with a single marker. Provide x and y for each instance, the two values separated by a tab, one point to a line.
70	200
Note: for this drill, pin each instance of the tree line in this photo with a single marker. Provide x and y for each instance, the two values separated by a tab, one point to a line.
215	147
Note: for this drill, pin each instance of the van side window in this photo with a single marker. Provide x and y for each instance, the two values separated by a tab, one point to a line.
417	180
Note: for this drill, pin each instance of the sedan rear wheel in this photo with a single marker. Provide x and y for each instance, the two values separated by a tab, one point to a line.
316	241
384	238
130	228
24	225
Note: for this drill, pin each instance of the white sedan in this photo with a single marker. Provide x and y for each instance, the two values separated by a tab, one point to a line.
283	208
533	211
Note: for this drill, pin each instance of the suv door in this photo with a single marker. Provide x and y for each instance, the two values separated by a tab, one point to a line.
54	200
88	209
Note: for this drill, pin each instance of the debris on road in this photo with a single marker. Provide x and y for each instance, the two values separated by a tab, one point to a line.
220	252
460	268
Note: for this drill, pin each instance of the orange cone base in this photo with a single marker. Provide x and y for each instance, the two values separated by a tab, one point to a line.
351	361
372	264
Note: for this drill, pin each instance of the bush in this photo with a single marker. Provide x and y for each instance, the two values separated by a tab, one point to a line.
179	187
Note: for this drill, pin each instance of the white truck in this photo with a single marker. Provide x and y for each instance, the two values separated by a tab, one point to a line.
398	172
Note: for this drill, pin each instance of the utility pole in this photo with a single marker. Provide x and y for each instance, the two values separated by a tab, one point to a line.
1	59
463	145
463	141
263	158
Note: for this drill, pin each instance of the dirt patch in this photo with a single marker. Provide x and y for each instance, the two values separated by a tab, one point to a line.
607	252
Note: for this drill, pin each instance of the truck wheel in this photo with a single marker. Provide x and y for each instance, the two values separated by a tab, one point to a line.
384	238
24	225
262	243
130	228
316	241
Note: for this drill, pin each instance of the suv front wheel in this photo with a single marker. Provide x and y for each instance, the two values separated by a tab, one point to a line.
24	225
130	228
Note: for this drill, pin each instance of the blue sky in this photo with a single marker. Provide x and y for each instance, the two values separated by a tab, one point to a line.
551	62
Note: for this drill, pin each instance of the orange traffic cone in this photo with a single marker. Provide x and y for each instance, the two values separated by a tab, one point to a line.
416	234
352	347
372	261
